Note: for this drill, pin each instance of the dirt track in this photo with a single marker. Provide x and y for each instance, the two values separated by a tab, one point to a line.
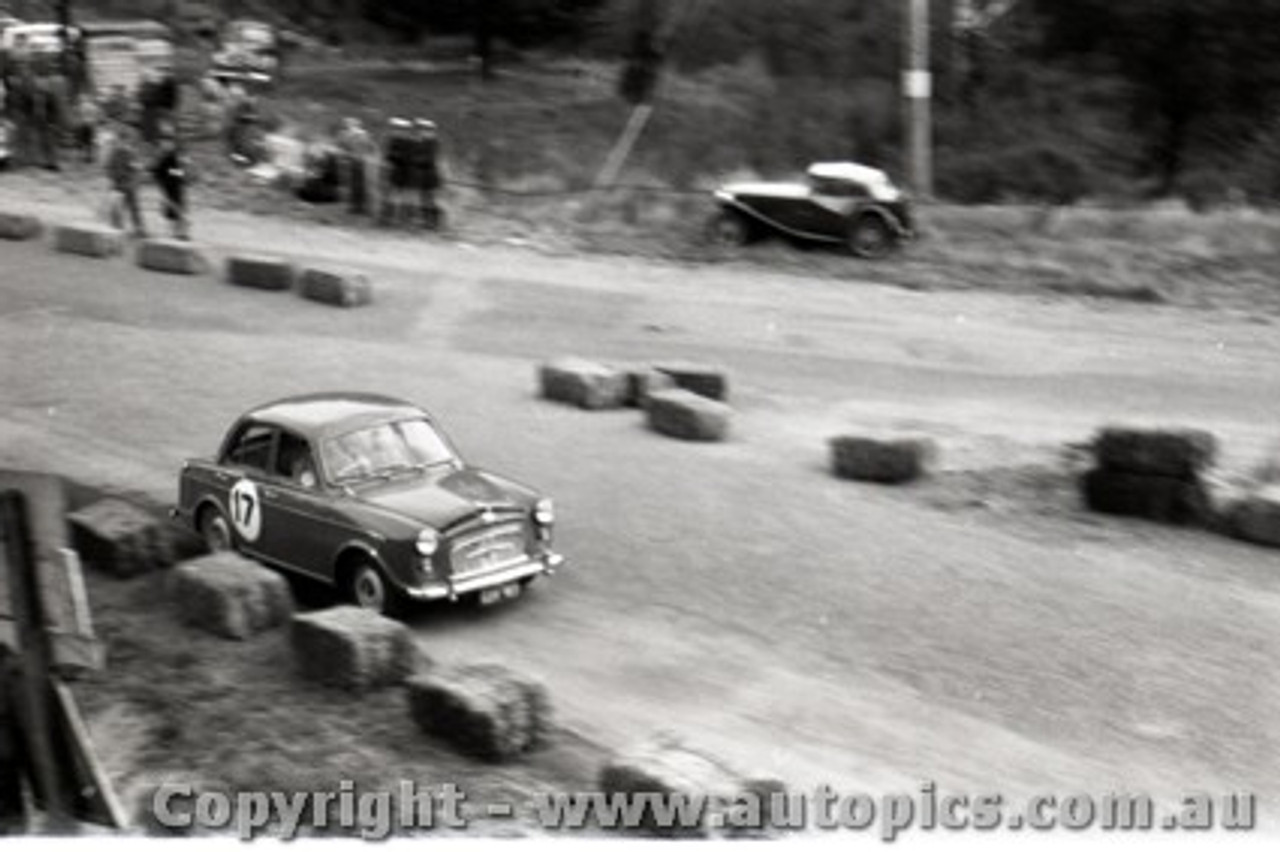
736	594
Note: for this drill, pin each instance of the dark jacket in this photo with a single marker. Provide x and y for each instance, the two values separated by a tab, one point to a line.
170	172
399	160
424	170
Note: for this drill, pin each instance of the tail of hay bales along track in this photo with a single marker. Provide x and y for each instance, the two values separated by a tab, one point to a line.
711	382
1153	474
119	538
671	769
231	596
19	226
353	649
586	384
1182	454
887	462
644	381
260	272
688	416
88	240
486	711
331	287
1256	518
1165	499
173	256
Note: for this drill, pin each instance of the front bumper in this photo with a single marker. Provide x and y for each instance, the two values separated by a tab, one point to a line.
525	569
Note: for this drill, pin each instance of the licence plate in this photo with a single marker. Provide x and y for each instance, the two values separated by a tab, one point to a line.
505	592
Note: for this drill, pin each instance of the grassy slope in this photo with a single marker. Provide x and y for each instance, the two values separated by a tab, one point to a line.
541	133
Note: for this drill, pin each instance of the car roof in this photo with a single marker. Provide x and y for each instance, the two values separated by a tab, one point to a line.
855	172
323	414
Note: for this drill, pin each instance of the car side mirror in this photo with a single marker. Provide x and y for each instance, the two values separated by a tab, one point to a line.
307	479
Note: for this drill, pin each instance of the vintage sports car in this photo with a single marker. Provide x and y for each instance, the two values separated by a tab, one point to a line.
838	203
366	493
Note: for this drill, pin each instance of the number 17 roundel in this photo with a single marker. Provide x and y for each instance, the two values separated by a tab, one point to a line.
246	510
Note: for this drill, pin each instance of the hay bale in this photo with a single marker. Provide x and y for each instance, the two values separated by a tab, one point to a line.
644	381
19	226
353	648
1182	454
229	595
1256	518
341	289
174	256
711	382
88	240
583	383
261	272
487	711
688	416
889	462
1167	499
117	537
666	768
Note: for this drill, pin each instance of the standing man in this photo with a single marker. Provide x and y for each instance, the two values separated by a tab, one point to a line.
356	147
170	173
20	105
426	171
47	117
123	171
397	163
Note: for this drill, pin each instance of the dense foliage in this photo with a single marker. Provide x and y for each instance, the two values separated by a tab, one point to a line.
1048	99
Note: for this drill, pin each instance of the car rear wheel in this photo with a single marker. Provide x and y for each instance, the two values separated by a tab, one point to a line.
727	228
871	237
215	530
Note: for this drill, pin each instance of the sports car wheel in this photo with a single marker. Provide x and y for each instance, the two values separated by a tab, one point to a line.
215	531
728	229
871	237
368	588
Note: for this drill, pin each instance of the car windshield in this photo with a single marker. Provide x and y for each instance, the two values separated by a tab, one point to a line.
385	450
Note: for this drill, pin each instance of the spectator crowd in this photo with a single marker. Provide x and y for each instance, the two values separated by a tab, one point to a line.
137	137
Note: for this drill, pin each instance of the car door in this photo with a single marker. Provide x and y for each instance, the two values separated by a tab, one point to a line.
245	462
306	529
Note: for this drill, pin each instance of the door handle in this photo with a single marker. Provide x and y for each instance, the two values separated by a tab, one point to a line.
269	493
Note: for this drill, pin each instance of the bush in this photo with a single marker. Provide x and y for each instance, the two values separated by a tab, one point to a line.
1035	172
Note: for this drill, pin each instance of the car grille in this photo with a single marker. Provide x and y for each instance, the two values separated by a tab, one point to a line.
487	549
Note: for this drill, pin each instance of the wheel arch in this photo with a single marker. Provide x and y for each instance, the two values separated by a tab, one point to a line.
350	556
206	504
883	214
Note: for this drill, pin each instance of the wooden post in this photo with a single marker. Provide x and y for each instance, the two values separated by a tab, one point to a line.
34	709
917	85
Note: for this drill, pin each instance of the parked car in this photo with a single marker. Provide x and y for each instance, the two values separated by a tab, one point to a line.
842	202
367	494
250	52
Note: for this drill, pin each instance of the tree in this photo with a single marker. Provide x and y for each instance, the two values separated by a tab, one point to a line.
1204	72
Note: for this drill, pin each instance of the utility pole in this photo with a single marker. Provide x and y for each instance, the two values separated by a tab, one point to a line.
917	89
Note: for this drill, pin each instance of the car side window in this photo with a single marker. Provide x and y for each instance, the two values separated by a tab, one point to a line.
294	461
838	188
251	448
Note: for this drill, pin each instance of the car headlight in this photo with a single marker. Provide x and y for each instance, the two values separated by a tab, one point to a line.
544	512
428	542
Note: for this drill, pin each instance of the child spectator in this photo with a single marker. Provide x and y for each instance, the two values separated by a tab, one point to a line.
88	115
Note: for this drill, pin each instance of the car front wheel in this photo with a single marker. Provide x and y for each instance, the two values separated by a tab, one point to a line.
215	531
369	590
727	228
871	237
